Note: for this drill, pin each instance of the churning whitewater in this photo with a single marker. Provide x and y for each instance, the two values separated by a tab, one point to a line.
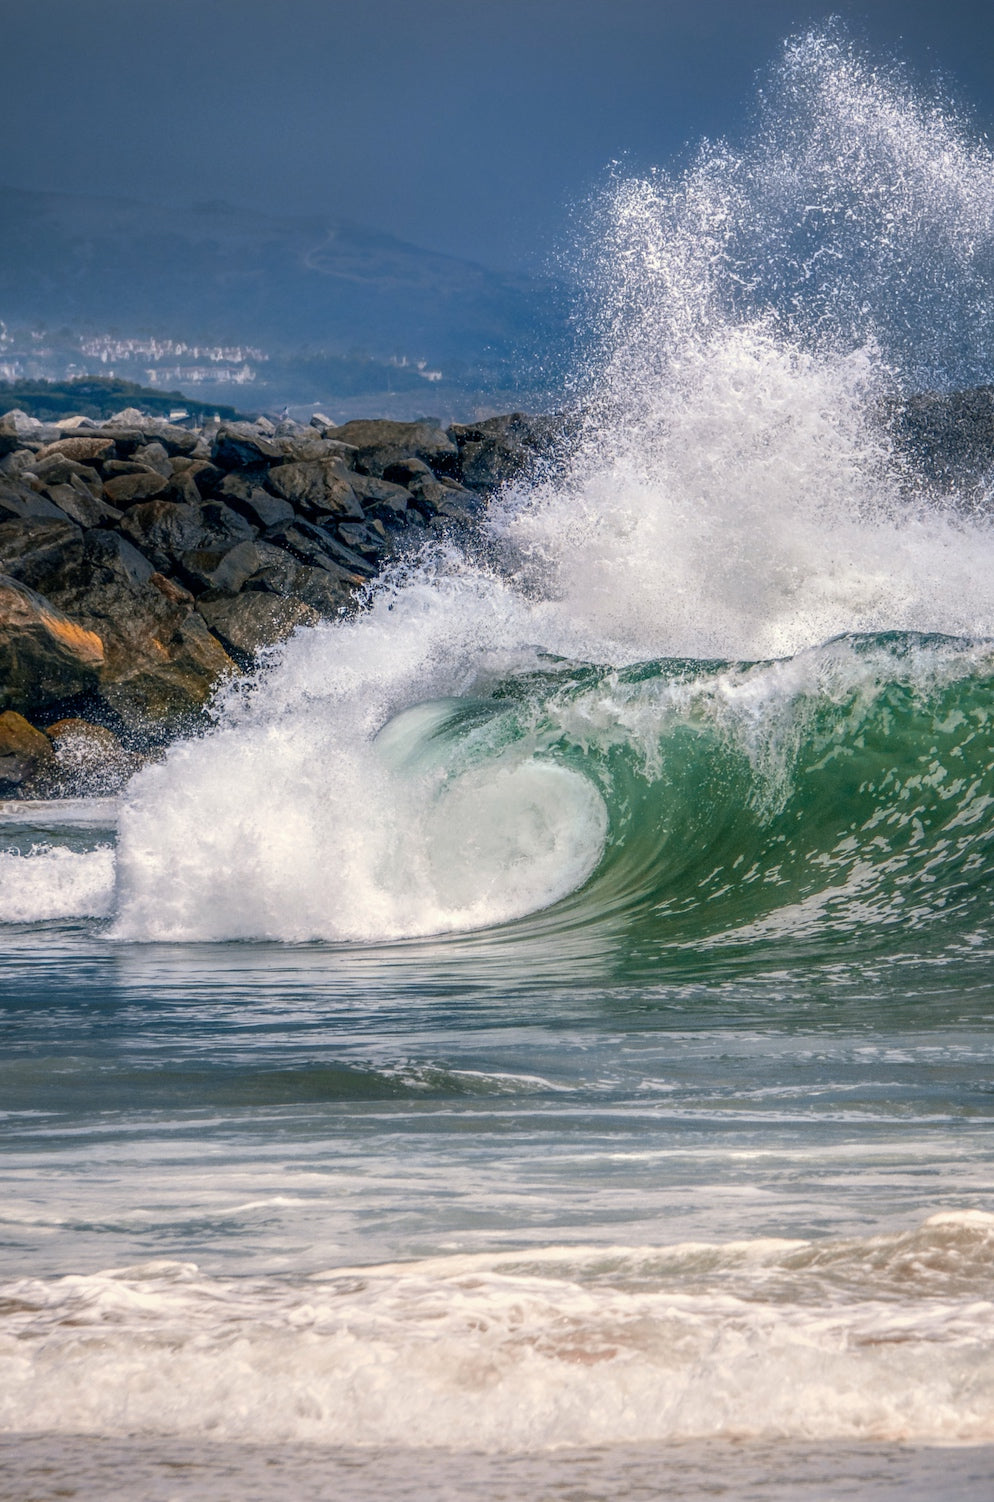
636	1085
735	497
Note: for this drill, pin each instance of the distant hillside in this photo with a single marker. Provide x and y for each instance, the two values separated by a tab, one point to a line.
352	305
100	397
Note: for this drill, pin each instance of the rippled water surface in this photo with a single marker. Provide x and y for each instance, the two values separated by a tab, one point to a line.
538	1042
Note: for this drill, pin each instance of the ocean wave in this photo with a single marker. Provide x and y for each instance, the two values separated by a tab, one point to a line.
883	1338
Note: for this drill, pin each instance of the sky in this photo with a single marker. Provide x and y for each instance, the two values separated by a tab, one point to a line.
472	127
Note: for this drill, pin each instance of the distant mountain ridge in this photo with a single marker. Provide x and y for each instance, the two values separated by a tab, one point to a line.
295	286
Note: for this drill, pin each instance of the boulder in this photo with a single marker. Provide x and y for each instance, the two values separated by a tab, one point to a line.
154	457
25	753
162	529
81	506
248	623
126	490
44	553
382	494
223	570
89	759
10	436
161	663
20	502
85	450
15	463
164	678
260	508
60	469
242	446
44	656
316	486
382	443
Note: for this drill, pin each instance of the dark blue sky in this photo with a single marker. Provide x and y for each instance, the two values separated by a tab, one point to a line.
465	126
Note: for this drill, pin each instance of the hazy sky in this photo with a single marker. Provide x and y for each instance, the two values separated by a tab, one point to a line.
465	125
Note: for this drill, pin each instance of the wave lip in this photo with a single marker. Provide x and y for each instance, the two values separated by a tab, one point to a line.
888	1338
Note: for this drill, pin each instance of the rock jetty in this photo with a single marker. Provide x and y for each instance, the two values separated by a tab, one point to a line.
142	562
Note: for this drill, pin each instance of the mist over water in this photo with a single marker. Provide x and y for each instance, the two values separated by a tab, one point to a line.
635	1087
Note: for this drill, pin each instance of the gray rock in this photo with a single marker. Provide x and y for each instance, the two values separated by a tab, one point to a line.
154	457
502	448
383	443
382	495
81	506
46	554
88	449
14	464
261	508
163	529
59	469
316	486
10	436
223	570
242	446
21	501
250	622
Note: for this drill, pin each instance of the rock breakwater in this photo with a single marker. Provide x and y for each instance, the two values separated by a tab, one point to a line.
143	562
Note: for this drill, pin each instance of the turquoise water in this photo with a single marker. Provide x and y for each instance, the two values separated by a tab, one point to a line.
537	1042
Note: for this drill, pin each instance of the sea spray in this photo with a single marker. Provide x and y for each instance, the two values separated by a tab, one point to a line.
734	493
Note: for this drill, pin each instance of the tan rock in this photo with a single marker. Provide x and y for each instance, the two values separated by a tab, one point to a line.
83	449
25	753
44	654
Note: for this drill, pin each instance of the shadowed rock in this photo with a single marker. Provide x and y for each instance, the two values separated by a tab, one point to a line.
44	655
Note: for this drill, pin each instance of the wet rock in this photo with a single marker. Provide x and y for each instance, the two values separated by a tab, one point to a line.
89	760
161	664
25	753
316	486
260	508
46	554
221	525
382	443
331	592
224	570
381	495
44	655
362	538
248	623
182	487
163	530
163	681
242	446
77	502
318	547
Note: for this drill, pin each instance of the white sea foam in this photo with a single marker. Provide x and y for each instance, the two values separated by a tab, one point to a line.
889	1338
50	881
733	493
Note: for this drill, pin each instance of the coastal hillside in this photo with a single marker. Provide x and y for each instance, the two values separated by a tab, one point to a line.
263	311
